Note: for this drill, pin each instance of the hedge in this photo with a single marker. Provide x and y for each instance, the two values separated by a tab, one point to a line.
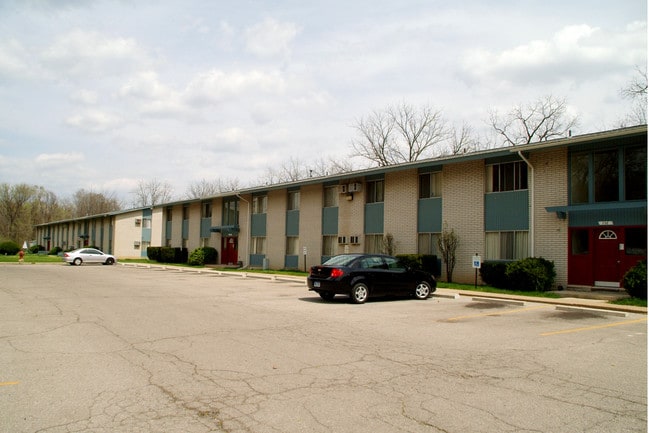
530	274
424	262
635	280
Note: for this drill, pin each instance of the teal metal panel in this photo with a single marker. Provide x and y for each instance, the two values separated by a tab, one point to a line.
146	235
257	260
206	225
636	216
258	225
293	223
429	215
374	218
330	221
291	262
185	229
506	211
168	230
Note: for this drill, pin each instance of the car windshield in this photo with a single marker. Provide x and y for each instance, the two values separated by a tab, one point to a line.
342	260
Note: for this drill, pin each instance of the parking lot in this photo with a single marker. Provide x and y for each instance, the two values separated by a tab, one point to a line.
134	349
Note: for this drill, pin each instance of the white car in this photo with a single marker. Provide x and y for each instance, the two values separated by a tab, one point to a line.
88	255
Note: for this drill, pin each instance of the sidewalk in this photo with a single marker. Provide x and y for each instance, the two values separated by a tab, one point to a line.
594	300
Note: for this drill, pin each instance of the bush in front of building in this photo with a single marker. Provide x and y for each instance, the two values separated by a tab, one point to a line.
635	280
153	253
202	256
534	274
54	251
9	248
423	262
167	254
493	273
34	249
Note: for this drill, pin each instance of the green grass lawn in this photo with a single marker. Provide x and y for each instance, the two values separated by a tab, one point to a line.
31	258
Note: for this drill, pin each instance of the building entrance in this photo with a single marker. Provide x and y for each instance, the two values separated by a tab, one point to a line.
229	250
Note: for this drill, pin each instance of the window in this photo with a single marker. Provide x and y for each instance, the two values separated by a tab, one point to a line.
185	213
430	185
230	211
170	214
259	204
206	210
292	246
331	196
374	244
427	243
506	245
579	178
580	242
259	245
636	241
375	190
205	242
146	223
635	173
606	176
511	176
294	200
329	245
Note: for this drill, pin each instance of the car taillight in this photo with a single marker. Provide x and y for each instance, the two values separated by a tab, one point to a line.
66	255
335	273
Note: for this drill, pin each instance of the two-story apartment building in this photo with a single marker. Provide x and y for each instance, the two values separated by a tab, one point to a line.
579	201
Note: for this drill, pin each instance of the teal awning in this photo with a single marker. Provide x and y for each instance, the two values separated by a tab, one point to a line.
228	230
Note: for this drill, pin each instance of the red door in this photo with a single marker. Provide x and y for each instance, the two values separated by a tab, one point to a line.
607	257
229	250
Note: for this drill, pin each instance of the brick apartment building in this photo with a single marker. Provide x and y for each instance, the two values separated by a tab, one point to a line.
579	201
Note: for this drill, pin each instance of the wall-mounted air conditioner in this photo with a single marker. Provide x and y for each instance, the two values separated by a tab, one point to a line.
342	189
342	240
136	244
138	222
353	240
355	187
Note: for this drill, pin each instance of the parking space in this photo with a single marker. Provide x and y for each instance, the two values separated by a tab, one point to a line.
149	349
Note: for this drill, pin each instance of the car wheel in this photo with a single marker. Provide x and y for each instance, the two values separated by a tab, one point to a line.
359	294
327	296
77	261
109	261
422	291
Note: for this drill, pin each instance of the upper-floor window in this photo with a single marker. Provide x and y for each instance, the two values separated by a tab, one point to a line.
185	212
170	214
430	185
259	204
206	211
230	211
595	177
509	176
331	196
294	200
375	191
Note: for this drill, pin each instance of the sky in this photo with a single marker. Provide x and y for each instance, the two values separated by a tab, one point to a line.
102	95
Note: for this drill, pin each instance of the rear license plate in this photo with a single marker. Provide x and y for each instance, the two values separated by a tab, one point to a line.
316	284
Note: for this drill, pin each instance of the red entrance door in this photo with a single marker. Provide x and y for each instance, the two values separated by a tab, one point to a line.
607	257
229	250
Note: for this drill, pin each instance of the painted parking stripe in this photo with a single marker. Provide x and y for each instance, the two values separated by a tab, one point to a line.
591	328
500	313
9	383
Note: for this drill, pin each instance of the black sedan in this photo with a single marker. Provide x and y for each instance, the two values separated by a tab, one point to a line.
360	276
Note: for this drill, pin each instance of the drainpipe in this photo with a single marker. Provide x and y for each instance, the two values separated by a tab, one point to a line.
248	229
531	189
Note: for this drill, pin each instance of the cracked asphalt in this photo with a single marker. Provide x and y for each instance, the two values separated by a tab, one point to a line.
126	349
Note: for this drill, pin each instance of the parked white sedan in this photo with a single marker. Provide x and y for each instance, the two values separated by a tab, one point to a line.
88	255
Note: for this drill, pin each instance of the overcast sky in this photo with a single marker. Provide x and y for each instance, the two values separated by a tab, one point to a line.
101	94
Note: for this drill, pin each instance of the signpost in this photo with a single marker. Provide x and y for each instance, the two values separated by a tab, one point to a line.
477	263
304	253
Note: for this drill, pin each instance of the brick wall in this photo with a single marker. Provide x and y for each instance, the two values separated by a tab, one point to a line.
311	201
276	228
400	212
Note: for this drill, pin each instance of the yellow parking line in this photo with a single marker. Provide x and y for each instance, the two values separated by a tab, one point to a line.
518	310
590	328
9	383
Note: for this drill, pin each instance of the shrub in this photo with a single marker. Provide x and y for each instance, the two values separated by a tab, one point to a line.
34	249
9	248
173	255
424	262
493	274
635	280
197	257
153	253
54	251
211	255
531	274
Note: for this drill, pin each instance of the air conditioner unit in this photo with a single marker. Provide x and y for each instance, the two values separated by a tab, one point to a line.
342	240
355	187
138	222
353	240
136	244
342	189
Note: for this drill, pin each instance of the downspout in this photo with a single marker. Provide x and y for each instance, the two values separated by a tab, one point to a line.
248	228
531	188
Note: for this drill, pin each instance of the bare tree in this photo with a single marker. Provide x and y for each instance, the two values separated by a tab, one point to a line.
462	140
544	119
401	133
93	203
329	166
152	192
204	188
448	242
636	92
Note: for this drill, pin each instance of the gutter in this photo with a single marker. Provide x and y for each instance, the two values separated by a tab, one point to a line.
531	188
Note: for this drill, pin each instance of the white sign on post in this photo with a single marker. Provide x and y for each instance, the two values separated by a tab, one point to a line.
477	261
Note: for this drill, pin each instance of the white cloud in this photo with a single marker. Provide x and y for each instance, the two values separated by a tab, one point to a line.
12	59
215	85
84	96
58	159
94	121
270	38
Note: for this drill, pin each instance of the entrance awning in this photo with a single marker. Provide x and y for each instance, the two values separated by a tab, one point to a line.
228	230
631	212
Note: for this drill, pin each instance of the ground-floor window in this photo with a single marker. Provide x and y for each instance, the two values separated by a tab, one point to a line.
259	245
292	246
427	243
329	244
636	241
506	245
374	244
205	242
